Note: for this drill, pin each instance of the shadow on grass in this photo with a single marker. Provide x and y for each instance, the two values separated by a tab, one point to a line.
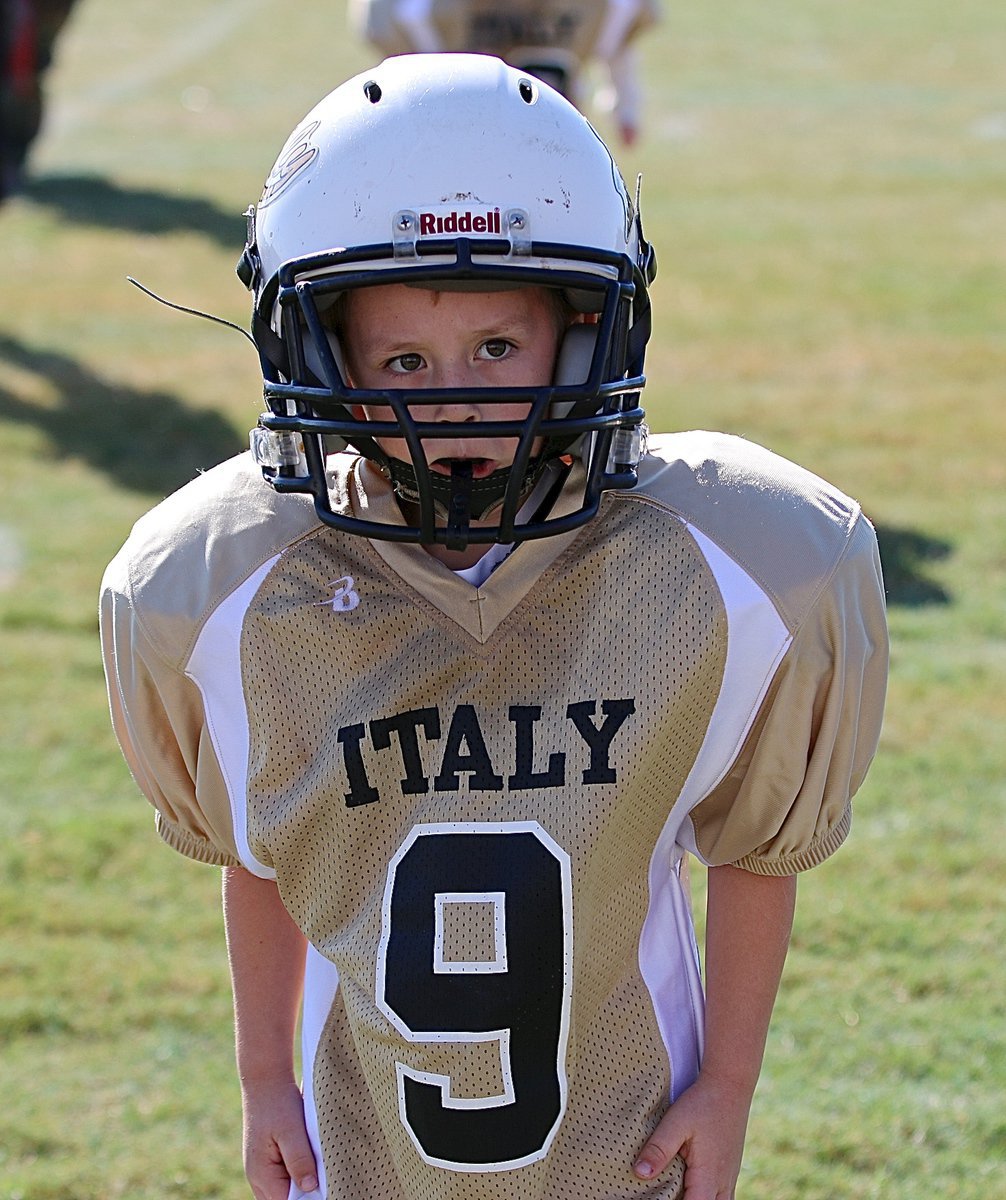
91	200
151	442
904	554
145	440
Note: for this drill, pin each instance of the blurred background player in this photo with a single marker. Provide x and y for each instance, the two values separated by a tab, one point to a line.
556	40
28	32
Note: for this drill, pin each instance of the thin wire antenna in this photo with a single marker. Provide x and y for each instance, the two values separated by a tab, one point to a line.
193	312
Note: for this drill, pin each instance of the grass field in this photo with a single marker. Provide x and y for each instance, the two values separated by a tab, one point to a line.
824	184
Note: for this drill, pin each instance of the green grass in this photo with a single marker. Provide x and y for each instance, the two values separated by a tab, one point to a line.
824	186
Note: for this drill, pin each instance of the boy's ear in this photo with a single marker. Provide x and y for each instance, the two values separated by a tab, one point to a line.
576	350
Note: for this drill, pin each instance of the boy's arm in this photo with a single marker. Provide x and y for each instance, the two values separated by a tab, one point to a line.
749	919
266	954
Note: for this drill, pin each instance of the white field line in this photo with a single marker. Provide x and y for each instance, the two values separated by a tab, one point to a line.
195	40
11	557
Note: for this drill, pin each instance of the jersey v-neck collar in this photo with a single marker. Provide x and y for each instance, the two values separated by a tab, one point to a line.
478	610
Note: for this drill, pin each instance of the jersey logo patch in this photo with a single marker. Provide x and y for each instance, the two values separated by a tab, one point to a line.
345	597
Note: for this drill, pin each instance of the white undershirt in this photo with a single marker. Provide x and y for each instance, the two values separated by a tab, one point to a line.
479	572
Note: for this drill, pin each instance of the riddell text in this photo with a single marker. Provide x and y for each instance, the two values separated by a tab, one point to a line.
459	222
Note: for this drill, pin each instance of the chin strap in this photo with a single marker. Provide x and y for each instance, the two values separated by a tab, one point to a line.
480	495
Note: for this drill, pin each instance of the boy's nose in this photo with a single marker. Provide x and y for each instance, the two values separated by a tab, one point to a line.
455	374
455	414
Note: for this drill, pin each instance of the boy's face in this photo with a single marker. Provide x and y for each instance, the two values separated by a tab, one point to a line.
400	337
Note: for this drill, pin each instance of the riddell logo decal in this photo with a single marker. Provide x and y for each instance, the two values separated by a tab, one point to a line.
459	222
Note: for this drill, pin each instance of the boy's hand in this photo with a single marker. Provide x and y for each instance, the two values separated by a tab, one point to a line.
748	921
276	1146
706	1127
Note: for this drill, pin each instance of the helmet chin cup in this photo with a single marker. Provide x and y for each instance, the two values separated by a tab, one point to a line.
451	217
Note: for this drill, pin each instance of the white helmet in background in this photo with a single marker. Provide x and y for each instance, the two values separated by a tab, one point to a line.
449	171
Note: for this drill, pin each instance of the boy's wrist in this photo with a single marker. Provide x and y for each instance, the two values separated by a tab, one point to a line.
736	1082
265	1076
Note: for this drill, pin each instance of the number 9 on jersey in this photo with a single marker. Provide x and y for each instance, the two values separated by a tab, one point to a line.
515	992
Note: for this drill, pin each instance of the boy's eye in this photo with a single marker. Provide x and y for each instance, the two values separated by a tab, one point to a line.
405	364
495	348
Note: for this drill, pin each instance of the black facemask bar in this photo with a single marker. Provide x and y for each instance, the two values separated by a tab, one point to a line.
603	408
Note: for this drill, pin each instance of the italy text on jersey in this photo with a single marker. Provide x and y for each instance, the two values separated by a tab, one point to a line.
465	749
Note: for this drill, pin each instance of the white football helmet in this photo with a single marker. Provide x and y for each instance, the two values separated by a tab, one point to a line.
449	171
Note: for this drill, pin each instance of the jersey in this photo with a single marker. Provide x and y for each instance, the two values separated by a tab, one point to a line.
555	31
475	801
554	40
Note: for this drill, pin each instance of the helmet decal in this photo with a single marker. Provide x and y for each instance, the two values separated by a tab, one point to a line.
298	154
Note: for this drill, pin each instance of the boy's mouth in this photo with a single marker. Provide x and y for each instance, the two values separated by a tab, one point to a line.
481	468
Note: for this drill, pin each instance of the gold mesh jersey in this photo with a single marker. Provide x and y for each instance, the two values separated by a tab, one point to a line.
475	801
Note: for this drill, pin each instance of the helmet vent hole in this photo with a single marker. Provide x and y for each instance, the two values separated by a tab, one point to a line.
528	92
372	91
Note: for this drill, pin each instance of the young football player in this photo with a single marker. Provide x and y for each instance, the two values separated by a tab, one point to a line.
28	34
453	670
556	40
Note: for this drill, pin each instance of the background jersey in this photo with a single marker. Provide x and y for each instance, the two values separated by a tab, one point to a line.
475	801
556	40
573	31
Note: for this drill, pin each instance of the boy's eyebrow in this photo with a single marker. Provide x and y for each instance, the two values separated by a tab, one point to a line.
375	339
